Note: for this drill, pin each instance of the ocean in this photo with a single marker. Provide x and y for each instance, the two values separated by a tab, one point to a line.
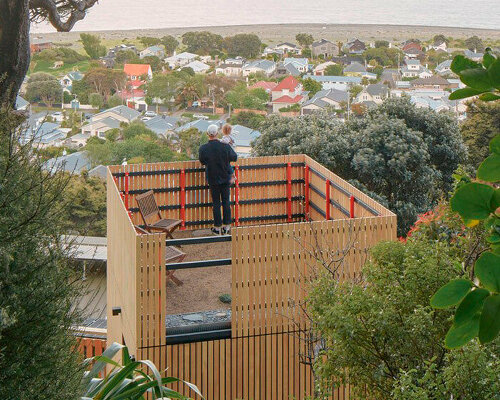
152	14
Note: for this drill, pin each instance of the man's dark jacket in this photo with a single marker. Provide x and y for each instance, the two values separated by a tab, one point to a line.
216	157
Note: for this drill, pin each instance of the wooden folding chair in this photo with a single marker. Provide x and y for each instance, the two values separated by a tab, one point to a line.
172	254
150	212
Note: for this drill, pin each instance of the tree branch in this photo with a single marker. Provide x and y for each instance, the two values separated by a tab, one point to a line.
50	8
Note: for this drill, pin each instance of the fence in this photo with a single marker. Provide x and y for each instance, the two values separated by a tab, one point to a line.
284	209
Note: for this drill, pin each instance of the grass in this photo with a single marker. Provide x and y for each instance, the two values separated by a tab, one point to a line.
46	66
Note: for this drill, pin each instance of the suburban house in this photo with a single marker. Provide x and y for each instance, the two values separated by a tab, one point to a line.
440	45
433	82
152	51
414	53
355	46
287	93
243	138
266	67
411	44
375	93
73	163
271	51
38	45
444	68
198	67
67	80
230	70
325	98
200	124
336	82
413	69
180	60
321	68
473	55
324	48
288	69
267	86
136	72
44	134
288	48
162	125
109	119
354	69
77	141
300	64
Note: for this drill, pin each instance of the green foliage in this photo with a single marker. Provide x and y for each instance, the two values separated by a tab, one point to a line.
170	43
246	45
148	41
114	101
92	45
225	298
96	100
190	141
312	86
388	57
334	70
127	57
127	381
248	119
37	287
44	88
154	61
136	129
242	97
64	54
202	43
481	79
304	39
439	39
403	156
291	108
104	81
381	43
474	44
478	314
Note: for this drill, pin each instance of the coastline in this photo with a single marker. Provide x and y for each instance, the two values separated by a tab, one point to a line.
273	33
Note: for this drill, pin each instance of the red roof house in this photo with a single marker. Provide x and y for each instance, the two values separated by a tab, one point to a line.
287	93
267	86
136	71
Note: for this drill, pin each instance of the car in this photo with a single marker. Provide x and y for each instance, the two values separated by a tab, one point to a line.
200	116
150	114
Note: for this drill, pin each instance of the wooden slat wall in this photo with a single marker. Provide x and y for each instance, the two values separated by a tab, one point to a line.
90	347
197	214
121	270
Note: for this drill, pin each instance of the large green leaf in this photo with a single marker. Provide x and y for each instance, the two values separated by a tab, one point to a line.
495	145
461	63
470	306
451	293
488	59
463	93
494	73
487	269
489	326
489	97
476	78
458	335
473	201
489	170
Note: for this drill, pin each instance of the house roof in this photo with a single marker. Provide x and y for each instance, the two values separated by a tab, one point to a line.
288	99
197	66
124	111
409	61
44	133
289	83
75	75
355	67
153	49
444	65
136	69
264	85
74	163
321	42
262	64
21	103
244	136
161	124
299	61
331	94
377	89
433	80
291	69
100	171
472	54
288	44
200	124
335	79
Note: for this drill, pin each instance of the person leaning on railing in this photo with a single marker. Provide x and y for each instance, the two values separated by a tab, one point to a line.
216	156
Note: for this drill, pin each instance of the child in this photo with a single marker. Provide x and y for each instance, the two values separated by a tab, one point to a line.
228	139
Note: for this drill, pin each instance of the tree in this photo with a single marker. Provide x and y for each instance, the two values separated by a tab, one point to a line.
388	57
15	18
474	43
382	338
148	41
96	100
137	128
246	45
381	43
127	57
334	70
304	39
105	81
241	97
248	119
189	91
92	45
403	156
440	39
38	285
355	90
114	101
154	61
43	87
190	141
202	43
170	43
482	125
311	86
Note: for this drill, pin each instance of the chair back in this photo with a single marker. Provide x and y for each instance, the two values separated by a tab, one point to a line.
147	206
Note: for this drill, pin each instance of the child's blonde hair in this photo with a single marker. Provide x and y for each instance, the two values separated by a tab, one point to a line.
226	129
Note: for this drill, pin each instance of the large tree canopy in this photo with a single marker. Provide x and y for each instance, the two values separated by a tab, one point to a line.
15	19
401	155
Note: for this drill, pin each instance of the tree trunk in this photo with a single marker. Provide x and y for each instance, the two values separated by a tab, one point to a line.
14	48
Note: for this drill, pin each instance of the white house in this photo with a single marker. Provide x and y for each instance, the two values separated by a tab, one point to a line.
109	119
444	68
336	82
473	55
289	48
321	68
67	80
301	64
152	51
231	70
287	93
180	60
198	67
439	46
266	67
376	93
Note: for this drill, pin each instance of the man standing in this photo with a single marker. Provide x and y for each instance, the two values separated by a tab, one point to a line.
216	157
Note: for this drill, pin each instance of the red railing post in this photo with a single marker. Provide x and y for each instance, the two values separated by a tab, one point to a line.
126	190
182	198
237	195
306	192
289	191
352	200
327	198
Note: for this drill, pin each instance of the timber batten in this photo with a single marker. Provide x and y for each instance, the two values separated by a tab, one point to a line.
280	205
